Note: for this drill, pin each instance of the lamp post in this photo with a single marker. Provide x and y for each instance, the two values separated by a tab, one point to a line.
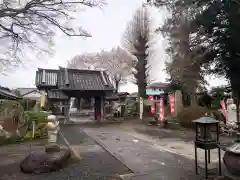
207	139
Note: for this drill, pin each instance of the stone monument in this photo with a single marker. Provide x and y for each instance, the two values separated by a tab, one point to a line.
231	111
231	157
52	158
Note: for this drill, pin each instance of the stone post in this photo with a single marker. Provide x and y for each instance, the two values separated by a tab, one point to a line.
178	102
140	108
34	128
53	128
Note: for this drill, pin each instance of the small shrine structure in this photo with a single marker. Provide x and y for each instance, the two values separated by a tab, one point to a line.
61	84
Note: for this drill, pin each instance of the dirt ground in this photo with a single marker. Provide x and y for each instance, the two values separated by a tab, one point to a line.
11	157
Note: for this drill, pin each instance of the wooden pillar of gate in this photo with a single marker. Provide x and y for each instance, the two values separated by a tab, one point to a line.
97	108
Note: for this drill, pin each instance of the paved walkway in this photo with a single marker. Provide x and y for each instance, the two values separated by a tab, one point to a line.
146	159
96	163
175	141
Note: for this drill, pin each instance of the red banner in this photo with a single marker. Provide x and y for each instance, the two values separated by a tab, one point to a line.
172	103
161	110
223	108
152	106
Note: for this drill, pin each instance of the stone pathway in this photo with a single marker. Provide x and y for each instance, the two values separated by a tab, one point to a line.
96	162
175	141
145	159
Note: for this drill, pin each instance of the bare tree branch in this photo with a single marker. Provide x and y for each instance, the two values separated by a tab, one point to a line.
32	24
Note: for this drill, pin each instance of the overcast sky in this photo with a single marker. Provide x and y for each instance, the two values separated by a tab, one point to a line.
106	26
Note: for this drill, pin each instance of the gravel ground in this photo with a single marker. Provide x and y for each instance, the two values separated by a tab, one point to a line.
96	163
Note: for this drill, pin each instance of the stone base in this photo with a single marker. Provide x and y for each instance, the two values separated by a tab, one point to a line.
232	162
45	162
52	147
228	176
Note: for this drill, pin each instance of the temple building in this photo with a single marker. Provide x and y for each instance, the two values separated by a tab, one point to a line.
88	87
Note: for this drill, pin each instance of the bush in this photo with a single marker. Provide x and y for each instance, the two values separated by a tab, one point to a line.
188	114
10	109
8	106
27	136
41	130
36	116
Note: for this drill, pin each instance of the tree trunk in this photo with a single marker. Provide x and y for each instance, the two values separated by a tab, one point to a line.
141	79
237	110
117	85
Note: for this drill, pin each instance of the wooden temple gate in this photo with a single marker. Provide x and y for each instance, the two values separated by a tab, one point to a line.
63	83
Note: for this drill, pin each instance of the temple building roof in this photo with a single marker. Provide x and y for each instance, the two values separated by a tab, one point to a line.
73	79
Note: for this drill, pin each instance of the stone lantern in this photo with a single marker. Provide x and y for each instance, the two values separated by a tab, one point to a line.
207	138
53	128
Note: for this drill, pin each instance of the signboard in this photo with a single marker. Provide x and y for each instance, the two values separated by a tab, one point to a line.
151	92
161	110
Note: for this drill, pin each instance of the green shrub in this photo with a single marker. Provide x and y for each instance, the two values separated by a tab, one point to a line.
7	107
27	136
188	114
41	131
37	116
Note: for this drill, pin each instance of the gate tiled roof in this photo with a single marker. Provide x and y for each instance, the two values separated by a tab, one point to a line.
73	79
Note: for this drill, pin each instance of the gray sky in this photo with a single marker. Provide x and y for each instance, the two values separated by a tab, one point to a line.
106	27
